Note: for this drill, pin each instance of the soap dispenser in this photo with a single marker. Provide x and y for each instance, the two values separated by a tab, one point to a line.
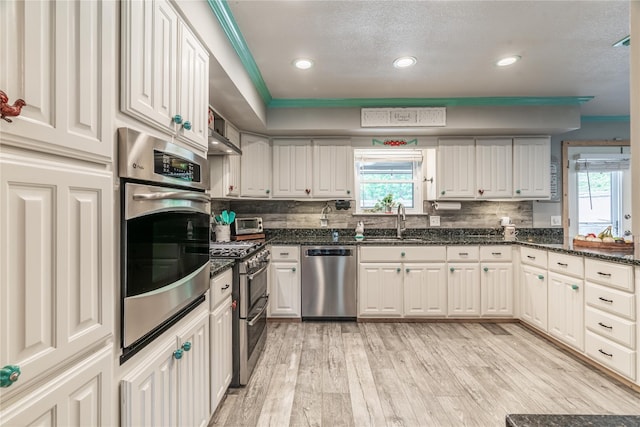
360	230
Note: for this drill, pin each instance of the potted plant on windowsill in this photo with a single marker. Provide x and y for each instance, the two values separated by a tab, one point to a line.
385	204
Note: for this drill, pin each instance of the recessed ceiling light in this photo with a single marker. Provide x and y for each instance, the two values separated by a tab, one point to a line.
405	61
508	61
303	63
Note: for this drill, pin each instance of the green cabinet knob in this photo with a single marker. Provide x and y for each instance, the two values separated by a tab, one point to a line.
407	270
186	346
178	354
518	191
442	192
451	269
402	254
267	191
177	118
9	375
575	287
293	269
486	269
348	191
398	270
187	125
540	276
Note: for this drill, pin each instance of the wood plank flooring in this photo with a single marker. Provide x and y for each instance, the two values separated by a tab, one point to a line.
414	374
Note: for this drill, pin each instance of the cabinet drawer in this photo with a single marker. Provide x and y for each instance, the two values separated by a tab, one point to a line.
611	327
566	264
532	256
285	253
611	300
610	354
220	287
495	253
403	253
615	275
463	253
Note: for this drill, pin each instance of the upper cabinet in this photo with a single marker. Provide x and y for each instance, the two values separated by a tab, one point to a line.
255	166
292	168
493	168
165	71
58	58
531	167
456	168
333	169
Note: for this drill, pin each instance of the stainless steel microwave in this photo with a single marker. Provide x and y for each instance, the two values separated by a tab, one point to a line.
248	226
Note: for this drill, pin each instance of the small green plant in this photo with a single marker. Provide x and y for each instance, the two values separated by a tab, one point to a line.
385	204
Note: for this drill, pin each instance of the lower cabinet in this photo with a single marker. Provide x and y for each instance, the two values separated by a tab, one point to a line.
79	396
464	289
496	290
380	290
171	386
425	290
284	282
534	296
221	352
566	309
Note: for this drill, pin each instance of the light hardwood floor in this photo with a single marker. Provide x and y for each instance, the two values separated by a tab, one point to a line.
415	374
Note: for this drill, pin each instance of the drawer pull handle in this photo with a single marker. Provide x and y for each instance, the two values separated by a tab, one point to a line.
531	257
562	264
284	253
605	326
604	274
225	287
605	353
496	253
605	300
463	253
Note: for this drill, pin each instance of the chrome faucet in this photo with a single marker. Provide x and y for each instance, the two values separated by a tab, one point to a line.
400	228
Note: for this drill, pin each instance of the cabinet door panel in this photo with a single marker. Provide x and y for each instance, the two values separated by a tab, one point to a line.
531	167
380	290
57	265
221	356
534	296
494	161
284	292
566	309
425	290
332	169
456	168
464	289
496	283
255	166
292	168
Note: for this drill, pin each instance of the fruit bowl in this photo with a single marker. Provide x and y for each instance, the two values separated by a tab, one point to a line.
626	247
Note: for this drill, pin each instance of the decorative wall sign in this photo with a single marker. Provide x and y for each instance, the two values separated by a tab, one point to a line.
394	142
403	117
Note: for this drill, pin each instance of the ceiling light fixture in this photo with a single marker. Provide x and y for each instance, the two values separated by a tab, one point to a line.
303	63
509	60
405	61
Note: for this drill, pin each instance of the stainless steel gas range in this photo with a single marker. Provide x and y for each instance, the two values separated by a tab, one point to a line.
249	324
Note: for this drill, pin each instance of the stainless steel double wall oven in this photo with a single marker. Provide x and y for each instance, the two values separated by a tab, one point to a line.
164	236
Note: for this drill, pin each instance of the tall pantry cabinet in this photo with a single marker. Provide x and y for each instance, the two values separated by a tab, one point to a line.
56	213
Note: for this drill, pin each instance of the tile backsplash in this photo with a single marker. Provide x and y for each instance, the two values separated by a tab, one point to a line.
281	214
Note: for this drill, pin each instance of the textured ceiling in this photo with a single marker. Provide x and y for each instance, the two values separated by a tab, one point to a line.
566	49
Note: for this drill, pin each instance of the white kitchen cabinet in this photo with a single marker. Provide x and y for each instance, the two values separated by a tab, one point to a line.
494	176
496	289
77	396
332	169
171	385
456	168
532	167
425	289
221	352
284	282
58	58
566	309
463	285
232	163
292	165
380	290
534	296
255	166
56	261
165	71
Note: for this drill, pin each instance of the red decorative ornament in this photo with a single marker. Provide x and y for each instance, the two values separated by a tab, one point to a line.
394	143
10	110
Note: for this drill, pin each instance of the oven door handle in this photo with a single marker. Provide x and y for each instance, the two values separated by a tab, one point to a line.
253	275
173	195
257	316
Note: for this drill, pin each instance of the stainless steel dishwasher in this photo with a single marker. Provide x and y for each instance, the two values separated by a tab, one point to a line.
328	282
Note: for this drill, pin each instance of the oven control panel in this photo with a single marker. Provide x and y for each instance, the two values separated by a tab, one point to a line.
258	260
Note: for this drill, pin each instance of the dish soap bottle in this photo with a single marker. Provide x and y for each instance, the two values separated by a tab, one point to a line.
360	229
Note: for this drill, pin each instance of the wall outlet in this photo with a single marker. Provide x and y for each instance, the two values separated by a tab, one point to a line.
434	221
556	220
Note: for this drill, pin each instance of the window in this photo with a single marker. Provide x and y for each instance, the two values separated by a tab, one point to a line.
383	172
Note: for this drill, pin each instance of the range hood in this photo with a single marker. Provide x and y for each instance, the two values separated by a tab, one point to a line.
221	146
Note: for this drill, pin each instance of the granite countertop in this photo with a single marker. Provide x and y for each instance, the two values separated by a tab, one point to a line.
548	420
542	242
218	265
